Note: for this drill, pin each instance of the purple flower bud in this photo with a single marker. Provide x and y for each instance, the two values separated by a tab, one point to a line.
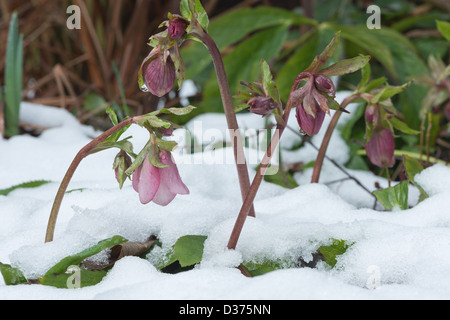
262	105
324	84
159	76
177	28
309	124
380	148
159	185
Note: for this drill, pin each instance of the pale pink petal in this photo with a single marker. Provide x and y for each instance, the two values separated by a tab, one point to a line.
149	182
135	178
170	176
164	196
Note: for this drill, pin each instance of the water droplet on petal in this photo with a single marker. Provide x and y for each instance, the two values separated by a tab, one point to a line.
144	88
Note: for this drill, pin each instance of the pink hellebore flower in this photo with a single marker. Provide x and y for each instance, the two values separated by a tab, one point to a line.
380	148
159	185
159	74
309	124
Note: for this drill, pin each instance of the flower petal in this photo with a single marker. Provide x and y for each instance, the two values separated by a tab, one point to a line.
164	196
170	176
149	181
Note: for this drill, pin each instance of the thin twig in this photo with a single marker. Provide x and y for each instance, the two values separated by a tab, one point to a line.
349	176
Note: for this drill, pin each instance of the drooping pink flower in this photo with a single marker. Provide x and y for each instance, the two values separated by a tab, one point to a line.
311	101
159	185
309	124
380	148
160	75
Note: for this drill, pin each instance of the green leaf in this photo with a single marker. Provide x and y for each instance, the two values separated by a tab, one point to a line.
326	54
186	7
13	78
124	145
403	127
232	27
330	252
367	40
243	64
282	178
269	86
346	66
296	63
413	167
394	197
87	278
178	111
260	268
444	28
366	72
76	259
12	276
188	251
25	185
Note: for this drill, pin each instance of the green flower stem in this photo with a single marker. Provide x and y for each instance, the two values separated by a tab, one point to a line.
68	176
248	202
227	101
326	139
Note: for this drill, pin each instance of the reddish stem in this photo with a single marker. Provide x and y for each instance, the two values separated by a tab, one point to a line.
248	202
68	176
326	139
227	101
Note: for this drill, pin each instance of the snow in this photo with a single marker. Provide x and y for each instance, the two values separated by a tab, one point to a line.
394	255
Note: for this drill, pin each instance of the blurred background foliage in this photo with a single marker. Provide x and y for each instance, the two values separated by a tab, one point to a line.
86	70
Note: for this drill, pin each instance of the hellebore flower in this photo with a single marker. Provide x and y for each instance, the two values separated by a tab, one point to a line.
380	148
312	102
262	105
159	73
309	124
159	185
177	28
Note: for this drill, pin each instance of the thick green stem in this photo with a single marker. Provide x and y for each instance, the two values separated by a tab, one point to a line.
69	174
227	101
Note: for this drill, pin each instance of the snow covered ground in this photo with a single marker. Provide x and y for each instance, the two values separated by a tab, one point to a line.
395	255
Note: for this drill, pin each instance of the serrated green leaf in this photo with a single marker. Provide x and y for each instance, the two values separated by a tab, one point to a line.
394	197
25	185
12	276
76	259
330	252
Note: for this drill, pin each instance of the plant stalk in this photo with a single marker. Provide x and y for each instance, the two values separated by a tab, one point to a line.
69	174
227	101
326	139
248	202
